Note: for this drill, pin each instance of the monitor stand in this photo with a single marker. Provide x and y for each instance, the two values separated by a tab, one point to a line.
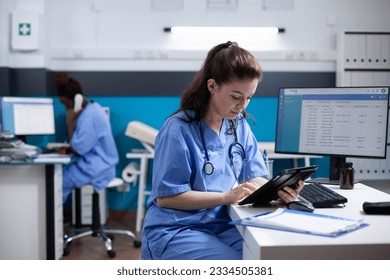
335	165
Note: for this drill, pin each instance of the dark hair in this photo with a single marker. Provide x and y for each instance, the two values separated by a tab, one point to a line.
224	63
66	86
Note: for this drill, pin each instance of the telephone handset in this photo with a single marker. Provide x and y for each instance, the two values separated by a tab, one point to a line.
78	102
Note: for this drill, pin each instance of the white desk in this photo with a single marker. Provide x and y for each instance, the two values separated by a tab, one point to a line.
372	242
31	210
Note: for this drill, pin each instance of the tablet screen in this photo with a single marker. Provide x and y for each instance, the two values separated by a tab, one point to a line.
269	191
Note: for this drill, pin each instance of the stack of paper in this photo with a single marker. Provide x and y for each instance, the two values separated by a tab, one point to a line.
302	222
19	152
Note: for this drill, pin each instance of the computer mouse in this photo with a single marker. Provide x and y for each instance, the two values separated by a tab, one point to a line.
300	206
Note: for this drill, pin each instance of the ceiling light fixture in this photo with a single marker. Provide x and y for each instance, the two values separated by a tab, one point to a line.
220	30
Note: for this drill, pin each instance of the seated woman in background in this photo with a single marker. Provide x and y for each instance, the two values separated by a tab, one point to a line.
206	158
90	138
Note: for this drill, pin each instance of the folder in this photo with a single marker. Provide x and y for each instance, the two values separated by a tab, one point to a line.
385	51
302	222
373	51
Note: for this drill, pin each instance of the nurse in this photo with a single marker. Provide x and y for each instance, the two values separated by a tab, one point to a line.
91	141
206	158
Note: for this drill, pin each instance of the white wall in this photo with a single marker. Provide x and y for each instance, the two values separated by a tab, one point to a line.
26	59
128	34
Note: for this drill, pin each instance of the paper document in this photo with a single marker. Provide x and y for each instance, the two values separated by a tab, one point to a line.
302	222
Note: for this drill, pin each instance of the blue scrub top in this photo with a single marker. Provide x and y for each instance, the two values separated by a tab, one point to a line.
178	167
94	142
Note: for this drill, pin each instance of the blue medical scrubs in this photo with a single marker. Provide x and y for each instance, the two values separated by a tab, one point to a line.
178	163
94	142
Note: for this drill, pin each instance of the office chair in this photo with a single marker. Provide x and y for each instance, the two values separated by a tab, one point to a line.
105	234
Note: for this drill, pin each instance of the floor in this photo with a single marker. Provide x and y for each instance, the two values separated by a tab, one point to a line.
92	248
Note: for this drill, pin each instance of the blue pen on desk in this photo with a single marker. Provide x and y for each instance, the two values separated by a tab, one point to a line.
265	156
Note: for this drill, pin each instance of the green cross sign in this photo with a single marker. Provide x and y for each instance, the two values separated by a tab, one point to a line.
24	29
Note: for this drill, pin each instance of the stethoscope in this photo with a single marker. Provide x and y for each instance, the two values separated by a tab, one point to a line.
208	167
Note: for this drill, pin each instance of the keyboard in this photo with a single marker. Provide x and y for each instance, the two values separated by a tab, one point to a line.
321	196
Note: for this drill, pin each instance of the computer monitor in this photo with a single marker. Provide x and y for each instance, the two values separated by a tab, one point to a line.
337	122
23	116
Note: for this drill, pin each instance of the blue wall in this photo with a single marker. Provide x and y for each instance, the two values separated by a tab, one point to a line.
153	111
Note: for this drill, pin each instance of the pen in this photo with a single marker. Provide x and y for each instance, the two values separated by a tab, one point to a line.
265	156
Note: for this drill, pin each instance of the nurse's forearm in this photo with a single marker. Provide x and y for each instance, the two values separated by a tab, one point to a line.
192	200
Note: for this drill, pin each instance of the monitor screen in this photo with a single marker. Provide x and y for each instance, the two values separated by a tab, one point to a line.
337	122
27	115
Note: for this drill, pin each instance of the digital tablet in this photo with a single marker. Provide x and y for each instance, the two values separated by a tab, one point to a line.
269	191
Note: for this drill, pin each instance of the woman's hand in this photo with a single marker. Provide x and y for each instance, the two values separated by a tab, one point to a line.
240	192
287	194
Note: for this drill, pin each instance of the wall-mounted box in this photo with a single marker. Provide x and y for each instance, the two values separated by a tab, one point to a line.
25	30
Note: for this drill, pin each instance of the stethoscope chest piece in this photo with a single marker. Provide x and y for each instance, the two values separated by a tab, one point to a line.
208	168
